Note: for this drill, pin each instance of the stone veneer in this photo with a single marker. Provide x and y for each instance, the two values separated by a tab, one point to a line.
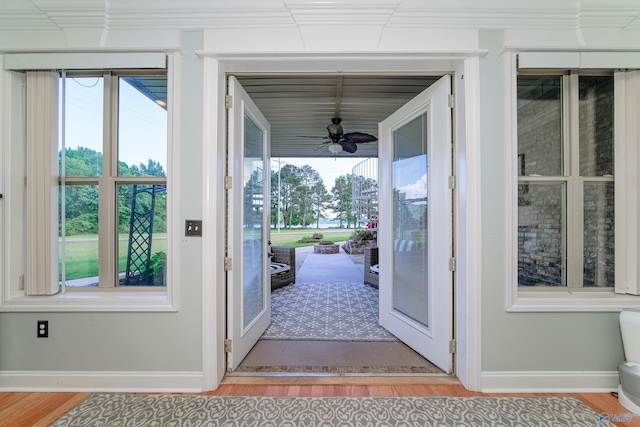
326	248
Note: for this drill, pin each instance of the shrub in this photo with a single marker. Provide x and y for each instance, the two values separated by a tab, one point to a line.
318	236
364	234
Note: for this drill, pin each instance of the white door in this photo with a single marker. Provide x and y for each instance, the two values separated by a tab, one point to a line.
249	280
415	231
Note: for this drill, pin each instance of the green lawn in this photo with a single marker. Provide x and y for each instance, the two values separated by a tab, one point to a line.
291	237
82	254
82	251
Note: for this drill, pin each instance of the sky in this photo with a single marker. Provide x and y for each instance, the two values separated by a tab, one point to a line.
142	130
329	168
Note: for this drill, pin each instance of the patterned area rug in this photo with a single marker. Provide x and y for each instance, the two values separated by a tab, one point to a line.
326	311
200	411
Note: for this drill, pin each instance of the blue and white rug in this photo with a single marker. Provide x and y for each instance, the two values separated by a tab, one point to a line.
326	311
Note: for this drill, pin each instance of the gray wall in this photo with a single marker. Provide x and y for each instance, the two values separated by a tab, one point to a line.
524	341
166	342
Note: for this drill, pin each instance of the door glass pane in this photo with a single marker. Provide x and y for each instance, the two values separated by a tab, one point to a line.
596	125
83	102
253	232
540	125
410	221
142	235
599	229
142	126
79	248
541	234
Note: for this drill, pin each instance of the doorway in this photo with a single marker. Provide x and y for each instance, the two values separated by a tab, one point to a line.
417	137
468	242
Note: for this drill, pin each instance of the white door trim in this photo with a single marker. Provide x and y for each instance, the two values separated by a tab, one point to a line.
468	199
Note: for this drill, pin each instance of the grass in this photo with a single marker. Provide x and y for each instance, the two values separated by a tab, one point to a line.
82	251
291	237
82	255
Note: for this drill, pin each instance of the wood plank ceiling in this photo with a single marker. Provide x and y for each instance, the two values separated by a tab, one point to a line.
303	105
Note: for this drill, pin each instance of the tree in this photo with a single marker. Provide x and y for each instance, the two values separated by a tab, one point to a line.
309	182
341	192
290	179
320	199
81	201
303	196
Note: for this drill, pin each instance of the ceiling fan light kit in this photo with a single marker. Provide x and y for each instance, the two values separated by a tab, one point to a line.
335	148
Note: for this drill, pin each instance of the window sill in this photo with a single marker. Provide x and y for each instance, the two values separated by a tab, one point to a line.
92	302
572	301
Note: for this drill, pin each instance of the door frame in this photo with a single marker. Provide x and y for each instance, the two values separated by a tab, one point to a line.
465	68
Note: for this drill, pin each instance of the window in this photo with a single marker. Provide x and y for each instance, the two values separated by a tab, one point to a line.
88	176
566	200
112	186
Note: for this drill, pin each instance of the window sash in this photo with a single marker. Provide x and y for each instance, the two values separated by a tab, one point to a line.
573	245
108	237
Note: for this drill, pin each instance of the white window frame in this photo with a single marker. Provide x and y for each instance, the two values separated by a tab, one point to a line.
572	299
115	299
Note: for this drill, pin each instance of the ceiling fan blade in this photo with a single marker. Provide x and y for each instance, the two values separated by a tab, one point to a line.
348	146
359	137
324	144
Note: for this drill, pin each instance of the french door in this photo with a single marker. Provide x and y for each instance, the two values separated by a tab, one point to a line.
415	231
248	278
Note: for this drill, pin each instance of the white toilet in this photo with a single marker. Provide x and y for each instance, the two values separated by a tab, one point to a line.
629	371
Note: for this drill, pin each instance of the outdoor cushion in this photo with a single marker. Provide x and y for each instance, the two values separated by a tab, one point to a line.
278	267
403	245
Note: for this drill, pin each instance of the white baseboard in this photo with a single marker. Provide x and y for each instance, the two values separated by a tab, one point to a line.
550	382
138	382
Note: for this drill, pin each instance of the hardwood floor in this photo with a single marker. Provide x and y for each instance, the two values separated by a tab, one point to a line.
42	409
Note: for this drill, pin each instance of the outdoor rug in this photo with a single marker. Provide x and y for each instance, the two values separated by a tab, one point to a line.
120	410
326	311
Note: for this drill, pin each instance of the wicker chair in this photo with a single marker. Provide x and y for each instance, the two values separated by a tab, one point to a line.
285	255
371	278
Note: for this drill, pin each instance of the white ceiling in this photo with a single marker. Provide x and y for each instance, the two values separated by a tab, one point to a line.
29	15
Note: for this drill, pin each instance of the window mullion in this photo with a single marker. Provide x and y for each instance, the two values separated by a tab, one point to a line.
106	212
576	189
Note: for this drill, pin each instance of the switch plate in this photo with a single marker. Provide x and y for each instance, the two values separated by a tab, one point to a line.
193	227
43	329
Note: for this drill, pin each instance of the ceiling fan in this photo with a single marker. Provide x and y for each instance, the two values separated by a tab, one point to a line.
338	141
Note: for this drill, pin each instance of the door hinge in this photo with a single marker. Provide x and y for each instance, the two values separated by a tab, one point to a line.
451	101
227	346
452	347
452	183
452	264
227	264
228	102
228	182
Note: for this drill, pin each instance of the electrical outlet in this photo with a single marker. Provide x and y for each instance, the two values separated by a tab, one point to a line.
43	329
193	227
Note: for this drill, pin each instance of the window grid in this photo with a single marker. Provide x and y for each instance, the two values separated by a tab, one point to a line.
108	182
573	245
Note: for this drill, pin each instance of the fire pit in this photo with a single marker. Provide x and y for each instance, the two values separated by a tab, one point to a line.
326	248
